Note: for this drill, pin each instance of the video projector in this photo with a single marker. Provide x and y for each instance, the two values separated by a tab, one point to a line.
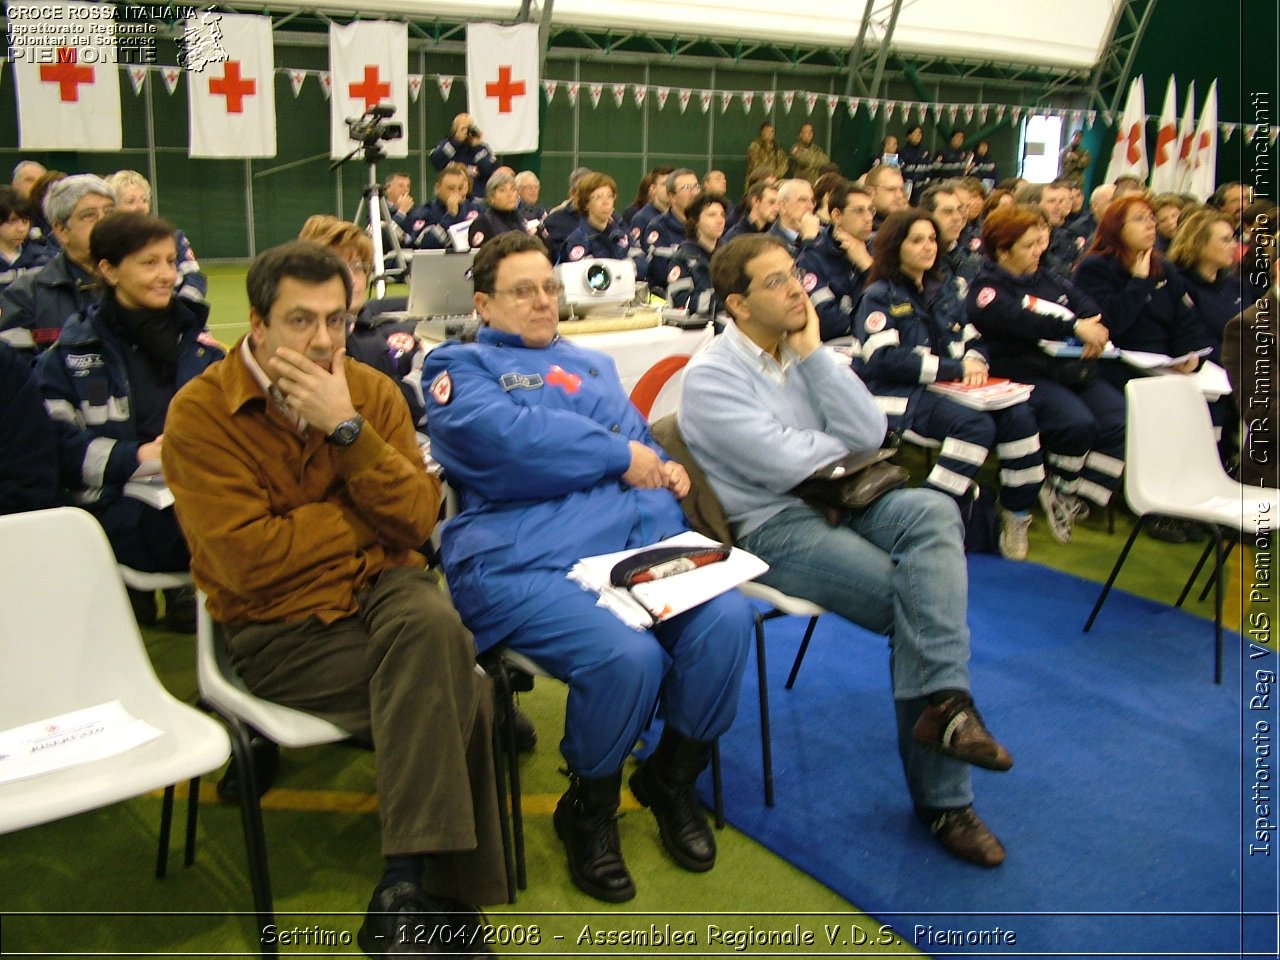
596	286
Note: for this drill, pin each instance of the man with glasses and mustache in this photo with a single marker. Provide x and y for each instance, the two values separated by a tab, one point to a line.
765	405
299	485
552	463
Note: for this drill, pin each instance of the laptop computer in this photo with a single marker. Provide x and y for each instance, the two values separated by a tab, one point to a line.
441	296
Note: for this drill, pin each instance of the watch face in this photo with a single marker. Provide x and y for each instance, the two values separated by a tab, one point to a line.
346	432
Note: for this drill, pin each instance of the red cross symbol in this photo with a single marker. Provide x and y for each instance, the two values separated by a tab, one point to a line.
504	89
1164	137
370	88
1135	138
233	87
67	75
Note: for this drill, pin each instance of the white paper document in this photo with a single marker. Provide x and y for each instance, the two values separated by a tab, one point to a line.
1064	348
671	595
152	491
1159	362
71	739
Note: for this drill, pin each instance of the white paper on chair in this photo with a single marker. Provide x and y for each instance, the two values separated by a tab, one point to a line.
71	739
1159	362
152	491
671	595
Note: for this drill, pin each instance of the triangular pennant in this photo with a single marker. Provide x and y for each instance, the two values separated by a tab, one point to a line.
769	96
788	98
852	105
1077	117
873	107
983	112
639	91
952	111
170	77
596	90
684	96
415	86
445	83
1093	117
1000	108
662	93
619	92
1109	118
571	91
833	101
810	101
968	113
704	97
136	77
1227	129
549	88
326	83
296	78
726	98
748	97
1016	113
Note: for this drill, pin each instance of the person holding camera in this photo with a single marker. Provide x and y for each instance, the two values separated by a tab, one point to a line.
465	145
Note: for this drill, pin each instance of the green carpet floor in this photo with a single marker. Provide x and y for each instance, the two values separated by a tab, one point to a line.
84	886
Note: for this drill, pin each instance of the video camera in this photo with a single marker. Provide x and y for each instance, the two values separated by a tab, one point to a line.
372	126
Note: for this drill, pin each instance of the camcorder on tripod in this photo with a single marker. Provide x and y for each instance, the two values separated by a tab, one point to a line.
370	129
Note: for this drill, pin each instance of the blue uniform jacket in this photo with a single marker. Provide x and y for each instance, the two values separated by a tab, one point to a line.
689	281
34	308
427	226
910	339
478	159
31	257
535	442
1217	303
832	282
192	284
1152	313
611	243
85	383
662	237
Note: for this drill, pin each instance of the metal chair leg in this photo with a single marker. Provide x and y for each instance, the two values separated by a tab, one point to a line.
717	784
1115	571
1219	561
1195	572
193	814
166	824
766	743
804	648
1226	554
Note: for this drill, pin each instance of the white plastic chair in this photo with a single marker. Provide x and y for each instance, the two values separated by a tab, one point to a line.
1172	469
148	582
79	646
223	692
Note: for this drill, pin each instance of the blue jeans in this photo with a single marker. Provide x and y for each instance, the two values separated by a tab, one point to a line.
896	568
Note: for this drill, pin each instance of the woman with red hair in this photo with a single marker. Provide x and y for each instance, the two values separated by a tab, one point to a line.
1144	303
1014	304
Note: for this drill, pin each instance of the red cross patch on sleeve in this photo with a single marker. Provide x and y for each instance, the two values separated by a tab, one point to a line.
442	388
985	296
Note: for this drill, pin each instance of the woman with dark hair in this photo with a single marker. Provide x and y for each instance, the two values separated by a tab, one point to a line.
984	165
1203	253
912	331
689	282
110	378
1014	304
600	235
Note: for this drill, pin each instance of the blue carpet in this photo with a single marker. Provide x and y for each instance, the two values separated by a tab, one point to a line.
1127	816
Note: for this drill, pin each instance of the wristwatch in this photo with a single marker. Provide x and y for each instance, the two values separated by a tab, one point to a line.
345	433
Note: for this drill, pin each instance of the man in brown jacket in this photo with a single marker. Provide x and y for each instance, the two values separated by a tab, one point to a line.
302	493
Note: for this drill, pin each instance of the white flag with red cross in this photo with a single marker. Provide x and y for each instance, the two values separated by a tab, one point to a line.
1129	152
369	65
1164	161
232	104
502	84
68	93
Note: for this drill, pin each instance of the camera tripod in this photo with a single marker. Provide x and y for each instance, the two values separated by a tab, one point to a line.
382	229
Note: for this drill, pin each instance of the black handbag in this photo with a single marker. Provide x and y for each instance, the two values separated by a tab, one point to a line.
853	482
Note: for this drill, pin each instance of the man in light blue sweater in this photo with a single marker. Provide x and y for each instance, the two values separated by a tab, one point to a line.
766	405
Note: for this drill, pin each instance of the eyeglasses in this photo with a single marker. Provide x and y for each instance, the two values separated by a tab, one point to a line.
859	211
776	281
526	291
1144	218
689	188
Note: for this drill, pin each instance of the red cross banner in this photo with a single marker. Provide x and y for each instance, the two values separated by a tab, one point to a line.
369	62
502	84
68	91
232	103
1129	153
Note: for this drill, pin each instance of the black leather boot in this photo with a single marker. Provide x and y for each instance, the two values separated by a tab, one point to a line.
664	783
586	821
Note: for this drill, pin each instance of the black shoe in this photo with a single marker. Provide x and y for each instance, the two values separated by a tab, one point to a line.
586	821
964	835
180	609
144	606
665	784
402	921
266	760
1168	530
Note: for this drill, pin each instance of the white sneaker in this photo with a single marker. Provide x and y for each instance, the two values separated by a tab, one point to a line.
1013	535
1060	514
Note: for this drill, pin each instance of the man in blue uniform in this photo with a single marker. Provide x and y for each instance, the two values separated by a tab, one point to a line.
663	235
552	463
465	145
835	266
427	226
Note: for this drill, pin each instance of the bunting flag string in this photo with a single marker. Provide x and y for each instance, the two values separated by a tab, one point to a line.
596	90
788	98
549	88
415	86
136	77
326	83
684	97
662	94
619	91
571	91
445	83
810	101
726	98
852	103
704	97
748	96
296	78
833	101
640	91
768	98
170	77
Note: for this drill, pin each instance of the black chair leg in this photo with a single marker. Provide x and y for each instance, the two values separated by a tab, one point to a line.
193	814
766	743
804	648
500	784
717	785
1219	560
1231	544
166	824
1115	571
1195	572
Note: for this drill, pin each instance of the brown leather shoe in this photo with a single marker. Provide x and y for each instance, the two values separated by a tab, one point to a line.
964	835
955	728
